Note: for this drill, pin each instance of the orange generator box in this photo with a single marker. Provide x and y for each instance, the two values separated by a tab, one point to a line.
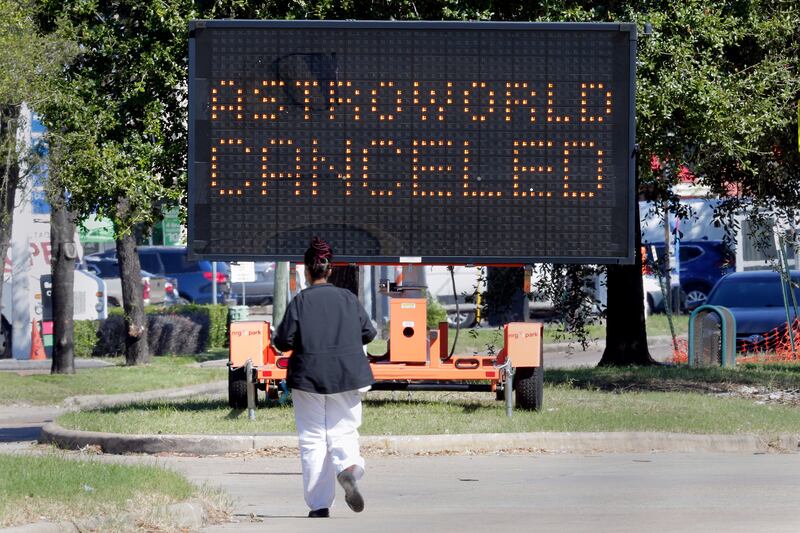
408	330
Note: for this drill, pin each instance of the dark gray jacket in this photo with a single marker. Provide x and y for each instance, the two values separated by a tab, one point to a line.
326	328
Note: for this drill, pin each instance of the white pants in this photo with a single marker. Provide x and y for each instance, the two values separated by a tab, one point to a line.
327	425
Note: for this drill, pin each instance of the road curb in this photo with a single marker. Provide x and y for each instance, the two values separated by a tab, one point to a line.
618	442
18	365
94	401
189	515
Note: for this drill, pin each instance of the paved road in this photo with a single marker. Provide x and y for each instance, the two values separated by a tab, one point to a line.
23	424
564	493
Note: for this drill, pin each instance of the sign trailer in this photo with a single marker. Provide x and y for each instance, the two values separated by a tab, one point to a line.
486	143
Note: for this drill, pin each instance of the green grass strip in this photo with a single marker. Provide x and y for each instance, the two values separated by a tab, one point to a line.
162	373
677	377
566	409
57	488
659	398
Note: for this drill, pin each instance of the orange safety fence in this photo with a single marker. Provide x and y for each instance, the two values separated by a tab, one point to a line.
776	346
680	351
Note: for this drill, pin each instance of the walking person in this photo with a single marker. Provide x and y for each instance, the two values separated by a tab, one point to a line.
326	328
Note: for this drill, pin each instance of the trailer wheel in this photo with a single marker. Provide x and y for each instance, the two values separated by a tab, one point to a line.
237	388
529	385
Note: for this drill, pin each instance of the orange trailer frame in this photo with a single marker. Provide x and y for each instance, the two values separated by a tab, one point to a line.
416	359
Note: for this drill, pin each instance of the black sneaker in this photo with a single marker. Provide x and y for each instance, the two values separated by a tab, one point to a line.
351	495
319	513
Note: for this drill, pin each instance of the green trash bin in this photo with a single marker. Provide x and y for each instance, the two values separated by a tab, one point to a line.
238	312
712	337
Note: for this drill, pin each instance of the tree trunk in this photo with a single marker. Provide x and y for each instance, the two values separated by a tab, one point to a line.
505	300
64	252
9	173
280	296
626	335
136	349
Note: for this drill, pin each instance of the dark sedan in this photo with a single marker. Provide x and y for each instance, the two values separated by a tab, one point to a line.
258	292
757	303
702	264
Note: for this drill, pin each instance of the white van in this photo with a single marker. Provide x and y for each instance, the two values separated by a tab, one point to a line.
27	266
26	288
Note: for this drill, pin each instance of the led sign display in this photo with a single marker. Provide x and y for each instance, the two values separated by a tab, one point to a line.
485	143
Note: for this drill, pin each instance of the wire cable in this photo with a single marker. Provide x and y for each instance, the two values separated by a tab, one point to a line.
451	268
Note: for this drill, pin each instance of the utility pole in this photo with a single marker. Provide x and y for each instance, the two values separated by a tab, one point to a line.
214	282
280	296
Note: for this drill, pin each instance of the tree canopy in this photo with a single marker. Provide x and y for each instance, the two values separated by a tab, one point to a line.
28	58
121	107
717	86
717	92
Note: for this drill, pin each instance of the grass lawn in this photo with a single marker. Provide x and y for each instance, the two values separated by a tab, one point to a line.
657	399
56	488
659	325
777	376
479	339
162	373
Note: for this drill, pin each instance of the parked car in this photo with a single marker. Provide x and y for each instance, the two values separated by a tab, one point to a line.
156	290
702	264
260	291
540	306
194	278
440	286
756	301
653	295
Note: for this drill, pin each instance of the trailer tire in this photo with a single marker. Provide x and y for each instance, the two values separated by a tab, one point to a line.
529	386
237	388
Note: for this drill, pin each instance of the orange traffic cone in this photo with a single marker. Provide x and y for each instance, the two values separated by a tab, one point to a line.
37	345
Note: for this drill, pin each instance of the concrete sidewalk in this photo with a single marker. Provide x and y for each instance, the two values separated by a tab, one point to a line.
526	492
42	366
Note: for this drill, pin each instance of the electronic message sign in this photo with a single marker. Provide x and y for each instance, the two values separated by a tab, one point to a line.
433	142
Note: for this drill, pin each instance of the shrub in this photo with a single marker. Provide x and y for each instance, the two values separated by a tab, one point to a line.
183	329
111	336
436	313
166	334
174	334
213	320
85	337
